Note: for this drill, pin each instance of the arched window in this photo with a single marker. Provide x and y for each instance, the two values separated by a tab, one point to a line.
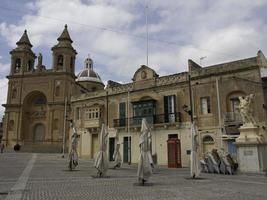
17	64
40	101
30	65
60	60
208	144
208	139
55	124
14	93
57	91
11	125
71	63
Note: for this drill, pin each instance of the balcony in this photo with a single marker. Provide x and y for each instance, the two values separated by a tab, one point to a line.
232	118
232	122
153	119
92	123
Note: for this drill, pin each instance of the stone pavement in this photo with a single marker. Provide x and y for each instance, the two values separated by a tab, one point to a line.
45	177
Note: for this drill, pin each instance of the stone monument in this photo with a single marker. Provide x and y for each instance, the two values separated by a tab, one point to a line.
251	147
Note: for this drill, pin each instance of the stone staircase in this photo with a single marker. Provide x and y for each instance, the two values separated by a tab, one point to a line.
42	148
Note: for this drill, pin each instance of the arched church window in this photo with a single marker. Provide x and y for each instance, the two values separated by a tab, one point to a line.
17	64
60	60
71	63
55	124
14	93
57	91
11	125
40	101
30	65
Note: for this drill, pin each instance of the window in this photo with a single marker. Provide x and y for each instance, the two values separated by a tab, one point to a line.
234	104
55	124
17	65
14	93
57	91
30	65
143	109
40	101
208	139
71	63
205	105
78	113
11	125
170	108
122	114
60	60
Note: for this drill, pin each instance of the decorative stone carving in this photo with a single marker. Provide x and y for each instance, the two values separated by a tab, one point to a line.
245	110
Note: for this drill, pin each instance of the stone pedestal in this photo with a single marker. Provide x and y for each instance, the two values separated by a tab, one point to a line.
251	150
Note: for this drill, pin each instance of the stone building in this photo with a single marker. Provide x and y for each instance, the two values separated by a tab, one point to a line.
162	101
40	101
34	112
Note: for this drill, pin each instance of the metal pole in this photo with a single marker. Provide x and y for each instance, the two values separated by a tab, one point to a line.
190	97
219	112
147	33
64	128
192	124
129	134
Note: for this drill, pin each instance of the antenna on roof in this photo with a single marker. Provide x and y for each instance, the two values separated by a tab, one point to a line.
147	33
202	58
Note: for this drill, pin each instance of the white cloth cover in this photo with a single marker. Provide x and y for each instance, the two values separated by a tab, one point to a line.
74	145
116	154
101	161
194	168
145	159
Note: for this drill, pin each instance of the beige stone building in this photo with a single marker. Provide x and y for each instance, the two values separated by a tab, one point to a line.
40	100
162	101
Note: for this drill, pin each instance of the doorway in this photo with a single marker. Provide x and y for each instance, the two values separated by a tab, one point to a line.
95	145
39	133
126	156
111	148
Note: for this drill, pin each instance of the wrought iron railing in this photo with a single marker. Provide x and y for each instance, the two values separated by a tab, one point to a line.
232	118
151	119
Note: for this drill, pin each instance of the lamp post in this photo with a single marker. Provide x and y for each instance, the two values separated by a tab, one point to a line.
193	157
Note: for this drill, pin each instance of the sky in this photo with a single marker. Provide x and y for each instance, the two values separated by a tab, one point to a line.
113	33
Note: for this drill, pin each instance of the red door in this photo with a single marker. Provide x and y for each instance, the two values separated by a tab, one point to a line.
174	153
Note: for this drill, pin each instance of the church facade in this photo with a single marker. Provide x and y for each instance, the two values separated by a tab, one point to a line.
40	102
35	108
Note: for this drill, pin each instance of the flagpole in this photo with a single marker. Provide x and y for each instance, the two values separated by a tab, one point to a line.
129	134
147	33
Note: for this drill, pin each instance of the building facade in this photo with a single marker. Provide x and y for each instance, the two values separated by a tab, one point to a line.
163	102
40	102
36	99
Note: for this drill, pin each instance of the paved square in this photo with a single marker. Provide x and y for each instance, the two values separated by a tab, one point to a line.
49	178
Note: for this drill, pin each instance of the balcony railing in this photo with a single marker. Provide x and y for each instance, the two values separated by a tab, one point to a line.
152	119
232	118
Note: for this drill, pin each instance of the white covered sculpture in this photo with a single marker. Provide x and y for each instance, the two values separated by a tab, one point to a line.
101	161
116	154
73	156
195	169
145	160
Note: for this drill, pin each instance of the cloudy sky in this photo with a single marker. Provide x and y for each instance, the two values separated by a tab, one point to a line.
113	32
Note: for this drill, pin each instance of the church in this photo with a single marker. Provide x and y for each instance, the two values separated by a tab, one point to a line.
41	102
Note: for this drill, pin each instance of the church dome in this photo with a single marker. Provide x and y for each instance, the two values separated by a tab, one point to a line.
88	74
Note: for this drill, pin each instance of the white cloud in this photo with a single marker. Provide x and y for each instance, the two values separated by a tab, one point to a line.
221	30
